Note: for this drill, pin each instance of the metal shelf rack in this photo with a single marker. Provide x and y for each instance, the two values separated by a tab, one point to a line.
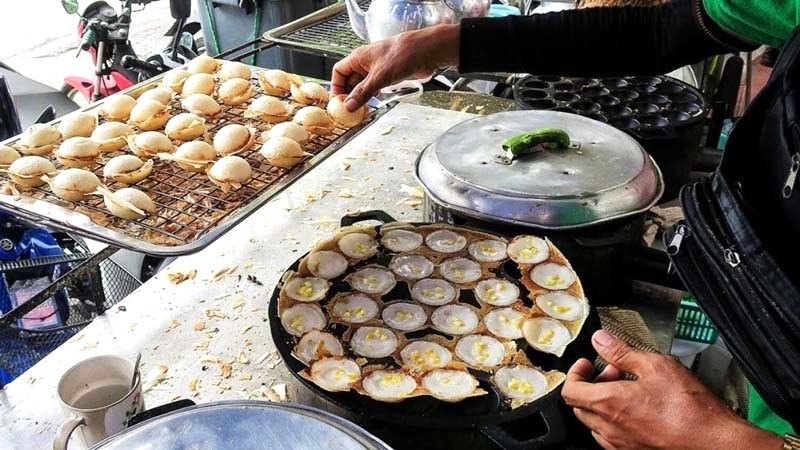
325	33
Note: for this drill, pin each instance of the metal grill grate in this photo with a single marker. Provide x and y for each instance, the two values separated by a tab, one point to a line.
334	33
188	205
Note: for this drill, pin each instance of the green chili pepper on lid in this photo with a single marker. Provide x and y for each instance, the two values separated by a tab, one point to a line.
550	138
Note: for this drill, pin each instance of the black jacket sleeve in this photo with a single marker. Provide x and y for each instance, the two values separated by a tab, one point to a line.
596	41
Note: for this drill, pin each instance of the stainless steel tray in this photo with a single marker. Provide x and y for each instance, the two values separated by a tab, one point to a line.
191	211
326	32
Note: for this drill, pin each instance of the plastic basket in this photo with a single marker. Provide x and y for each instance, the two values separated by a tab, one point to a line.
693	324
93	285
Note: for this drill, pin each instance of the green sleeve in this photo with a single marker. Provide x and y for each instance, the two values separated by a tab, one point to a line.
760	415
768	22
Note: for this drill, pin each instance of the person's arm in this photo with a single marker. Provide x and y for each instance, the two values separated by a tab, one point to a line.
596	41
586	42
665	408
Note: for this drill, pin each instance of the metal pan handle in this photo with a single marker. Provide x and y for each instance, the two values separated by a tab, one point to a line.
404	91
375	214
550	413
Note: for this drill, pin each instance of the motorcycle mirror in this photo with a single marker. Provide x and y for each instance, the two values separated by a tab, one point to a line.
180	9
70	6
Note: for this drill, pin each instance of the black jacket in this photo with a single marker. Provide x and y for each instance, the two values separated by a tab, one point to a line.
596	41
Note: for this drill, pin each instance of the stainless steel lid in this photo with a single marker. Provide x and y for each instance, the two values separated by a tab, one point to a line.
606	176
244	425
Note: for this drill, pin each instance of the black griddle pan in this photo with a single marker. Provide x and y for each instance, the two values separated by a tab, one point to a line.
486	413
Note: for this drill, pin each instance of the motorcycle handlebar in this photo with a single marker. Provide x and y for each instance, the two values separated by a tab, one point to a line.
125	17
145	68
88	39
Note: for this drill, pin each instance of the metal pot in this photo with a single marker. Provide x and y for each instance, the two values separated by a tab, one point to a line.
386	18
244	425
589	199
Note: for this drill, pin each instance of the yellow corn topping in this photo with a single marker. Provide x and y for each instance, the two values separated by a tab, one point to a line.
554	280
338	374
455	322
516	323
416	269
361	247
297	323
521	386
528	252
446	380
371	281
306	289
402	316
488	248
562	309
391	379
458	274
429	356
491	293
357	312
482	351
437	292
377	334
432	356
447	242
547	337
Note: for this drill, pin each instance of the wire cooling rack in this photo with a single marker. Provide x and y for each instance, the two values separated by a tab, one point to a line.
191	211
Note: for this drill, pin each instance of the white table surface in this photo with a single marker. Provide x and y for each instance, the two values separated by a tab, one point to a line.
159	318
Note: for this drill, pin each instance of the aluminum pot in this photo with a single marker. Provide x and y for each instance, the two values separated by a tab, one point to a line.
590	199
244	425
387	18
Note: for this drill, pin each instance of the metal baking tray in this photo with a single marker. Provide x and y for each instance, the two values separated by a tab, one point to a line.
326	32
191	212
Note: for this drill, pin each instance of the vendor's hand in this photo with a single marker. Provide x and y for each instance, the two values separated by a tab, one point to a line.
414	54
665	408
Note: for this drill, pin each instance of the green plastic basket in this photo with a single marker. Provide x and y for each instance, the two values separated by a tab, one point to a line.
693	324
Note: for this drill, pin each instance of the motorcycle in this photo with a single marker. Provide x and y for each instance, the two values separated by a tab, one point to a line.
105	35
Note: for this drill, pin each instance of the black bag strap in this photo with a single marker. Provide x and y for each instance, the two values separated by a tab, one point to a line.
756	213
762	160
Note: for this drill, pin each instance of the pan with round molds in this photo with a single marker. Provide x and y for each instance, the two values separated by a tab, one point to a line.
435	313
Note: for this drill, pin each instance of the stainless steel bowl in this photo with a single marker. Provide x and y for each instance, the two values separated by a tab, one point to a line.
244	425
